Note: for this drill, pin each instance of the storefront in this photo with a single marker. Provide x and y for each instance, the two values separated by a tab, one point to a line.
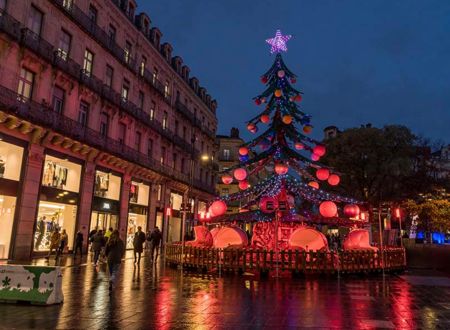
137	210
58	200
105	203
174	228
11	160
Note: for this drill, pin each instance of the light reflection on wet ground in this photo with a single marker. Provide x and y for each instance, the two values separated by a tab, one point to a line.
156	297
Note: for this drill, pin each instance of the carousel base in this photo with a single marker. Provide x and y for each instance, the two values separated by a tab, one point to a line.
270	263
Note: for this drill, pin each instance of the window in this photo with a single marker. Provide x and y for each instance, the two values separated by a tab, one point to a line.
93	14
201	174
176	126
166	89
109	76
25	88
137	141
195	112
127	52
142	66
155	75
150	148
2	6
131	10
164	122
88	62
202	148
178	96
125	90
112	34
152	110
174	158
226	154
163	155
35	20
104	121
83	113
183	165
67	4
141	100
58	100
122	132
184	132
64	45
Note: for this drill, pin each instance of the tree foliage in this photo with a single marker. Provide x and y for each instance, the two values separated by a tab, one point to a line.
434	215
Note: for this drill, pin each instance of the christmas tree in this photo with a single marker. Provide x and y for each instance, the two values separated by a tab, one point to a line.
291	192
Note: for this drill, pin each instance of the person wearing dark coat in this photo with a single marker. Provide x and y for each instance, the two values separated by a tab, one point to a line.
98	242
78	244
156	238
138	244
115	250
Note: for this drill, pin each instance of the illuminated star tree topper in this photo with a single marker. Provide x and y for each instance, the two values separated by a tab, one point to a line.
278	43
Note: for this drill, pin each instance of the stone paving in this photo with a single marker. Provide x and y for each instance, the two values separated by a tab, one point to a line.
157	297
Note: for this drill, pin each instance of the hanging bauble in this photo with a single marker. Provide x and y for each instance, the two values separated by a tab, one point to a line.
293	80
314	184
287	119
334	180
319	150
268	204
322	174
243	185
257	101
281	168
328	209
307	129
240	174
243	159
227	179
252	128
217	208
265	119
264	79
263	100
298	97
299	146
243	151
351	210
315	157
281	73
277	93
291	98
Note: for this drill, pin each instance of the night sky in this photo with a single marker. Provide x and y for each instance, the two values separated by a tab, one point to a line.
359	61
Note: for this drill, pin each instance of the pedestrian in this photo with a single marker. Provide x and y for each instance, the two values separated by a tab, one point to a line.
55	240
108	233
138	244
115	249
78	244
62	243
98	242
91	235
156	238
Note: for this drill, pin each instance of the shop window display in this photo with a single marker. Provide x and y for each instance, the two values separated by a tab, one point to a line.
7	210
53	216
61	174
107	185
10	161
138	209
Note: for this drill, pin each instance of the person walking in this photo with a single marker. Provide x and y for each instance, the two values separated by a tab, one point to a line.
108	233
115	249
55	240
98	242
138	244
78	244
156	238
62	243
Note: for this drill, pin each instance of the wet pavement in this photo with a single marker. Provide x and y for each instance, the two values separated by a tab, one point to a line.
158	297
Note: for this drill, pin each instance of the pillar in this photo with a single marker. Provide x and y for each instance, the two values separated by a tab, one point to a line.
153	202
28	203
124	201
85	203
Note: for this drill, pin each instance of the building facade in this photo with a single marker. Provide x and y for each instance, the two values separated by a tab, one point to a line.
100	125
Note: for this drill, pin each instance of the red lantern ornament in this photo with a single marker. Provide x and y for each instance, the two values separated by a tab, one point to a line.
299	146
268	204
334	179
319	150
322	174
257	101
298	97
314	184
351	210
287	119
277	93
252	128
293	80
240	174
315	157
328	209
217	208
227	179
264	79
243	151
265	119
307	129
281	168
243	185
